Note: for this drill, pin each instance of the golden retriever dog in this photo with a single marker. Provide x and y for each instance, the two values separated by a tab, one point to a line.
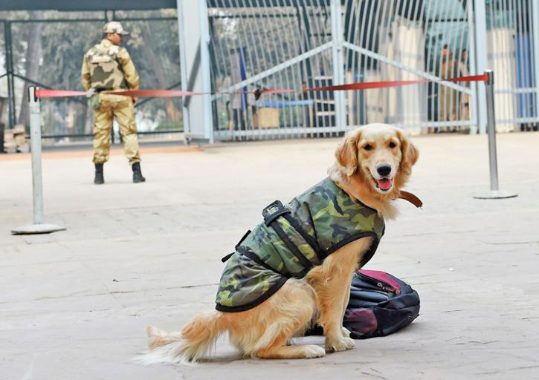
372	165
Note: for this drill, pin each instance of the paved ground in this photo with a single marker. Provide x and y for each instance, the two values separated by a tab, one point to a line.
74	304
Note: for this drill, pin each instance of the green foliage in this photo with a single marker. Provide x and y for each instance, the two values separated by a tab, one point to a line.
63	45
170	126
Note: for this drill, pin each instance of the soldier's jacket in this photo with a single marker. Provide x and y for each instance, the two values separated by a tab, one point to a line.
108	67
291	240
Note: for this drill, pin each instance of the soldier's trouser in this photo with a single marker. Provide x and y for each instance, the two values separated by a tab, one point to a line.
120	108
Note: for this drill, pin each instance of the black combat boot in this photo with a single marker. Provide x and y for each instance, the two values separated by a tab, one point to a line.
99	179
137	174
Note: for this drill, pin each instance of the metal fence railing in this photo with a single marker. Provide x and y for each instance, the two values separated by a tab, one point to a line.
293	44
262	46
513	53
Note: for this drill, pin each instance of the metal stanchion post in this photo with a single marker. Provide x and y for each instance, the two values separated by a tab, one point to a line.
495	192
39	227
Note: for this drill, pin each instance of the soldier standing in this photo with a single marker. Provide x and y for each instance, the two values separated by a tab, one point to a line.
448	96
108	66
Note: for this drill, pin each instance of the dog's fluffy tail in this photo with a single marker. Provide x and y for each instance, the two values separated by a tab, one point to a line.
195	340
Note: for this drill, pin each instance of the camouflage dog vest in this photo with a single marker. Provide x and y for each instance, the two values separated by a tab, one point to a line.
291	240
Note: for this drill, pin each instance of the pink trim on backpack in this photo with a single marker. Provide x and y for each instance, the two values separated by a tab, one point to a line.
382	277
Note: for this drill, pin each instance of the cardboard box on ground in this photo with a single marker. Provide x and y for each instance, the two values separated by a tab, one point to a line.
15	140
266	118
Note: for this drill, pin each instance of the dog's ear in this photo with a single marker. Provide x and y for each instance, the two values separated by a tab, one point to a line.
409	152
346	153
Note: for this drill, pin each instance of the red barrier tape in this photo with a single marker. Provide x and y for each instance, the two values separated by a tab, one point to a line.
371	85
366	85
396	83
50	93
154	93
470	78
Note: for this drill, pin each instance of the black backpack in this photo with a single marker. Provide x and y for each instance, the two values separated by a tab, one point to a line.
380	304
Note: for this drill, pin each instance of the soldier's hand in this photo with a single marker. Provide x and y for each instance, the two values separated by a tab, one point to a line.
90	93
134	99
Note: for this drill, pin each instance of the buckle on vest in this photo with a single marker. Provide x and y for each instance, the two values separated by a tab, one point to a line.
273	211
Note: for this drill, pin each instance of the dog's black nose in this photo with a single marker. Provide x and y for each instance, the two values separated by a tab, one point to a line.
383	170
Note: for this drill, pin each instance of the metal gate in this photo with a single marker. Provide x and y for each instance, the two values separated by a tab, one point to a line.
259	44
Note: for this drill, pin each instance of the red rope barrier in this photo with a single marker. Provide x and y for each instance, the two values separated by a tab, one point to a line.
396	83
470	78
51	93
366	85
154	93
371	85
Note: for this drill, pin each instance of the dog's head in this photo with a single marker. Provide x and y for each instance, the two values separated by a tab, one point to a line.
377	156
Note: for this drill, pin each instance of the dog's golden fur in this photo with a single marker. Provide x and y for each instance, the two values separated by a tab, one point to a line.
322	296
355	166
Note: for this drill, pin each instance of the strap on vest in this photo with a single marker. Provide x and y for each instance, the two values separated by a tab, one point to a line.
242	239
293	249
273	211
225	259
308	238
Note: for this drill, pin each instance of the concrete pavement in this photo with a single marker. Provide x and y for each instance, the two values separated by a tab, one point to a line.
74	304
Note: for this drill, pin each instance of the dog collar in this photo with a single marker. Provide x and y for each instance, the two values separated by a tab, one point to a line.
413	199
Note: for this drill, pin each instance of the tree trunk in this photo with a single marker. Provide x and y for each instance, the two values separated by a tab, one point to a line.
173	114
31	66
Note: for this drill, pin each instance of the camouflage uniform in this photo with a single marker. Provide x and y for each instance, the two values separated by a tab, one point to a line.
291	241
109	67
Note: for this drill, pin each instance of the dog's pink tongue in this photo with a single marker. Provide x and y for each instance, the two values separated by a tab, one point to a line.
384	184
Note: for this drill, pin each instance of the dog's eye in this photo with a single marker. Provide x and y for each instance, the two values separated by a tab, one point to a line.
392	145
367	147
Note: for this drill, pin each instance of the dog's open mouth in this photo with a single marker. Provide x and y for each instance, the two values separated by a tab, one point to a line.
384	184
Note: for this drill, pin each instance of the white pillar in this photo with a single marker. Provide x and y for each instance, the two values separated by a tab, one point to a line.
474	86
205	67
535	23
195	60
337	37
481	61
183	66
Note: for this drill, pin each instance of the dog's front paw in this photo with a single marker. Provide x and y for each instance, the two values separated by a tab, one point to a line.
313	351
345	332
339	344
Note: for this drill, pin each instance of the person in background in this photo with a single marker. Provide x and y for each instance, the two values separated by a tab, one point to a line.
448	96
464	71
107	66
